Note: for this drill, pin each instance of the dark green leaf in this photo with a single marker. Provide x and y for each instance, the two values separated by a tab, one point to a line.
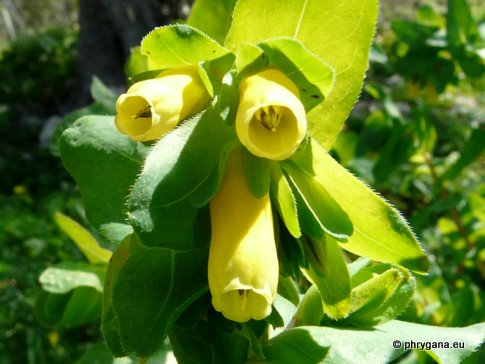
146	291
256	171
104	164
159	204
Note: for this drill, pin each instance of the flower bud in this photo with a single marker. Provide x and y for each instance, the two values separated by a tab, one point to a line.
270	120
243	264
151	108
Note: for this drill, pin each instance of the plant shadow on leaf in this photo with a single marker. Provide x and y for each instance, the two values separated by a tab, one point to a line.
295	346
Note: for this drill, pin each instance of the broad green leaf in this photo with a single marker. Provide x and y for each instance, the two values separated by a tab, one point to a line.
179	45
146	291
313	77
83	239
380	232
69	119
284	200
66	276
104	163
335	286
256	171
249	55
340	33
324	210
213	17
382	297
159	206
309	345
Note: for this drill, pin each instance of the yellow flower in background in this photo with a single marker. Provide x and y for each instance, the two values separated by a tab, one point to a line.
151	108
270	120
243	264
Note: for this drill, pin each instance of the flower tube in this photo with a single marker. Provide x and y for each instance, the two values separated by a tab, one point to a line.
270	120
243	264
151	108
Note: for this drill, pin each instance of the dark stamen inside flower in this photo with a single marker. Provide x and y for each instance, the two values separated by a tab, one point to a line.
269	117
146	112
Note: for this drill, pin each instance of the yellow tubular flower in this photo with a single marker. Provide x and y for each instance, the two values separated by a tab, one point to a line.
271	119
151	108
243	265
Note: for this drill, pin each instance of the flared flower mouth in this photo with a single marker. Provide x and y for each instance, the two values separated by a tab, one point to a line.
151	108
241	303
270	121
243	263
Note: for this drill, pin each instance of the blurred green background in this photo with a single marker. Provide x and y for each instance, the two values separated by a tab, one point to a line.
417	135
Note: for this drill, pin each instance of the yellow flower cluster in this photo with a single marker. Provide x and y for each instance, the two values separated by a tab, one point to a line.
270	123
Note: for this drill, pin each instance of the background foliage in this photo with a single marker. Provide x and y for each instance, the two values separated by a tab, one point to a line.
416	135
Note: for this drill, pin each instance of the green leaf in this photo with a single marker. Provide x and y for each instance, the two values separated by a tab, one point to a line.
310	309
284	200
340	33
78	307
72	294
179	45
66	276
382	297
380	232
83	239
104	163
159	206
146	290
103	95
69	119
313	77
213	17
256	171
335	286
309	345
470	152
324	213
460	25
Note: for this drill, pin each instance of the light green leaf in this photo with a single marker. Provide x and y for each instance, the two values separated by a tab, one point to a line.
324	213
340	33
146	291
313	77
335	286
83	239
213	17
310	309
380	232
66	276
382	297
309	345
284	200
179	45
104	163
